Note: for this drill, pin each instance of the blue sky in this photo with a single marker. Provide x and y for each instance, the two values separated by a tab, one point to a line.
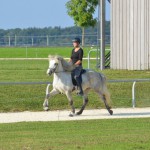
36	13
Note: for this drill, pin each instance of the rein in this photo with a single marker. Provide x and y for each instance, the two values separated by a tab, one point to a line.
54	70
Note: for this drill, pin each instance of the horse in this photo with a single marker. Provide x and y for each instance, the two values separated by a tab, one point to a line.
62	83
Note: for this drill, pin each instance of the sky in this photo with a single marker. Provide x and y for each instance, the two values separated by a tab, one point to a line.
37	13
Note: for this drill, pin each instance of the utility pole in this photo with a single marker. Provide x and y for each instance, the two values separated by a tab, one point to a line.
102	33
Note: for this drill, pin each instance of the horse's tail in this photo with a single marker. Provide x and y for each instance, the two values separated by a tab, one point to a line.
104	89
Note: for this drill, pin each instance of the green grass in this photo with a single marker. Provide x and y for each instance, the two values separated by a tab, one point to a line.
116	134
30	97
40	52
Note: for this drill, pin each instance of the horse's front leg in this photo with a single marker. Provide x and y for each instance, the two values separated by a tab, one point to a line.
69	96
49	95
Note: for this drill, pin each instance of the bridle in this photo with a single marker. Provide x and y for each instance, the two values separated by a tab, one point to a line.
53	70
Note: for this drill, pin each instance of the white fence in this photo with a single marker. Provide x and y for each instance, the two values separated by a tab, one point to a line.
134	81
133	89
48	40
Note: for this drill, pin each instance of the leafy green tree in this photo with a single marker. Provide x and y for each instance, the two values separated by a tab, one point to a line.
82	12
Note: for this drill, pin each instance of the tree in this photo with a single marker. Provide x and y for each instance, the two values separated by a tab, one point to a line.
82	12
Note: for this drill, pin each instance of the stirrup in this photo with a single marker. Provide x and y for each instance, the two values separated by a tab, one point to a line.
80	93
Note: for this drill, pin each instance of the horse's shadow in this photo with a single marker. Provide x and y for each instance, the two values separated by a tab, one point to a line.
119	114
132	114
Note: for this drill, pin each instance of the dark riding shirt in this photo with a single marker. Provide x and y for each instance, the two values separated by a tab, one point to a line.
75	56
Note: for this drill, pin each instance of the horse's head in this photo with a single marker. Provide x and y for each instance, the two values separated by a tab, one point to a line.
58	64
54	65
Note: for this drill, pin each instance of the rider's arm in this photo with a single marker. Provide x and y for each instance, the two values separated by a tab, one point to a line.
78	62
80	58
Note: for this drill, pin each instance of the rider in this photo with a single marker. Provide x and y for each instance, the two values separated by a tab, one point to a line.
76	59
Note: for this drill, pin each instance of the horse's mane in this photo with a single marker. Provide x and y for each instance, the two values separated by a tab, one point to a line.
67	66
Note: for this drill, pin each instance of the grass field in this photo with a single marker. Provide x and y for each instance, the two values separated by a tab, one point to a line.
116	134
40	52
30	97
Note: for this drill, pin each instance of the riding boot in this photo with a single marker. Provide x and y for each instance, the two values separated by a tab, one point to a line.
79	86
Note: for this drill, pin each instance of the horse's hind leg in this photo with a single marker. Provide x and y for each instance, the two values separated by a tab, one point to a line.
85	101
52	93
104	97
107	106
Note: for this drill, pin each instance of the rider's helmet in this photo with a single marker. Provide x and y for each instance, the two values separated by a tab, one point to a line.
76	39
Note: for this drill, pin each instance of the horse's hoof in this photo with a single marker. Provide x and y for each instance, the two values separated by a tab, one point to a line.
46	108
71	114
78	113
111	112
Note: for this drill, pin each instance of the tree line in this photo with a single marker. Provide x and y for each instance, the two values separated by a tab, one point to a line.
55	35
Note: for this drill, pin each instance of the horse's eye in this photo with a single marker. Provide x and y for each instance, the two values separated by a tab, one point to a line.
56	64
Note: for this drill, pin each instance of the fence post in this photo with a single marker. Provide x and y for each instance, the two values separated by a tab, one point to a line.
15	40
47	40
32	41
9	41
26	52
133	94
93	50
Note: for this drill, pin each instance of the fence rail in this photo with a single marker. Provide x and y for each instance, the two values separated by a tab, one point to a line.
134	81
23	83
47	40
130	80
111	81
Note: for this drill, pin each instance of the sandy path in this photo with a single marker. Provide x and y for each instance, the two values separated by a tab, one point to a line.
63	115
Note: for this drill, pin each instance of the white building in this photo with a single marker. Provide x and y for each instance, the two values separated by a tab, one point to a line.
130	34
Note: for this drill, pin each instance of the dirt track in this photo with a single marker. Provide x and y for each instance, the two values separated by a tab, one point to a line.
63	115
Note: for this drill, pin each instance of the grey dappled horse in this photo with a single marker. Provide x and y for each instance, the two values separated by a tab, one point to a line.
62	83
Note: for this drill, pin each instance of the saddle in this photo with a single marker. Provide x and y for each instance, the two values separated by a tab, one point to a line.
73	79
